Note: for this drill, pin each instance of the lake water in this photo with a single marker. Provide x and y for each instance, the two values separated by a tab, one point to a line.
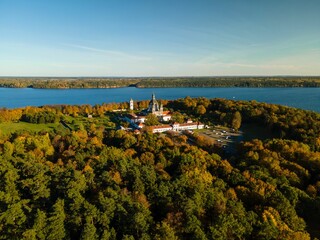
305	98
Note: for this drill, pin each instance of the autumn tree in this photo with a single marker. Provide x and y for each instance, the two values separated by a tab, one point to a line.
236	120
200	110
151	120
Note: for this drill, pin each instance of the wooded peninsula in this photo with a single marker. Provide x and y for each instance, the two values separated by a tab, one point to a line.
69	172
157	82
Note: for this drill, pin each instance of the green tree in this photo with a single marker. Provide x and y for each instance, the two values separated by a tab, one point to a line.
89	230
177	117
55	228
40	224
8	149
165	232
38	230
12	220
151	120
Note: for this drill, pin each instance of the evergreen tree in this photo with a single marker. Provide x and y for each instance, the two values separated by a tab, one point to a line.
55	228
89	230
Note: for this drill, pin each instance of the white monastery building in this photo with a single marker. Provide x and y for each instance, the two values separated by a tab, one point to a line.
157	109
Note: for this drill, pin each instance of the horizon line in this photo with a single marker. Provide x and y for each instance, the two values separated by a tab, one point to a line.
158	76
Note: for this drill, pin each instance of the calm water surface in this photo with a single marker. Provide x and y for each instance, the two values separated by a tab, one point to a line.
305	98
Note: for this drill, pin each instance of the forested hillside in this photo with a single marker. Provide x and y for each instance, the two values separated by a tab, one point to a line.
91	181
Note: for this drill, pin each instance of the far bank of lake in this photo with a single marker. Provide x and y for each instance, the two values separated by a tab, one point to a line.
304	98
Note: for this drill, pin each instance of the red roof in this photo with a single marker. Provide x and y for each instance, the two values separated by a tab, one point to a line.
190	124
162	126
166	112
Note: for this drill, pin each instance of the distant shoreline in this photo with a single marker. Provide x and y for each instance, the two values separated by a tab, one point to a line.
157	82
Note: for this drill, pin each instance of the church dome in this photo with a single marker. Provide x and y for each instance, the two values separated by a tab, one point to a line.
153	105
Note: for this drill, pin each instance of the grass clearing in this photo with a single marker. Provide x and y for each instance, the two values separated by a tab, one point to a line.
74	122
10	127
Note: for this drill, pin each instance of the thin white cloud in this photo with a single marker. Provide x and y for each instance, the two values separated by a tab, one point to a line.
110	52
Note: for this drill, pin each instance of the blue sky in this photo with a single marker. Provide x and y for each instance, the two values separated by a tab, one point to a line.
159	38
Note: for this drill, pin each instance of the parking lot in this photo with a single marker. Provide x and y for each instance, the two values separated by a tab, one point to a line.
222	135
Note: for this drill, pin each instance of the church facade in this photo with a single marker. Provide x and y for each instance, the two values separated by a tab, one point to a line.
154	107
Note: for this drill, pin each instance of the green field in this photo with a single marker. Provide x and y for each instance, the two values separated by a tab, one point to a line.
10	127
74	122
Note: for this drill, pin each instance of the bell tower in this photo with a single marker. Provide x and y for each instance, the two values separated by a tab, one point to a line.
131	104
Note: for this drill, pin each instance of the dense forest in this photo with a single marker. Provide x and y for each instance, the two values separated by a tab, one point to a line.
232	82
159	82
92	181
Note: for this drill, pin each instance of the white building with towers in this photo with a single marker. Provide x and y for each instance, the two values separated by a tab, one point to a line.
157	109
154	108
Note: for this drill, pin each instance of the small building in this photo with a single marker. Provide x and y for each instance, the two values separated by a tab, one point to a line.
177	127
162	128
165	118
187	126
134	118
